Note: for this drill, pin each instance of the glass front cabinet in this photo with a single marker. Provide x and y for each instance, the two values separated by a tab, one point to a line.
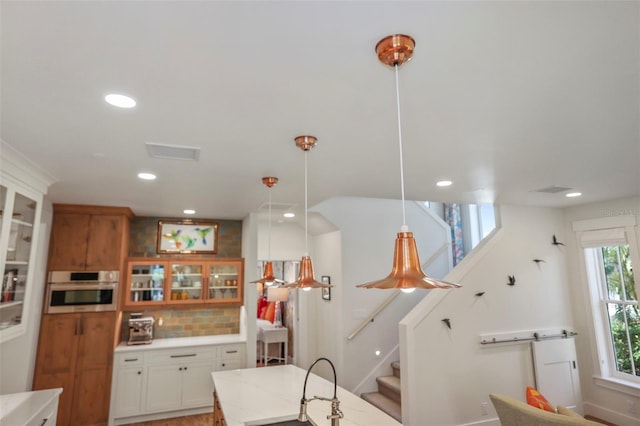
19	219
156	282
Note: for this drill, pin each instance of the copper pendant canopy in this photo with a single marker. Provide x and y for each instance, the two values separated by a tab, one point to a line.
305	277
270	181
268	277
305	143
407	272
395	49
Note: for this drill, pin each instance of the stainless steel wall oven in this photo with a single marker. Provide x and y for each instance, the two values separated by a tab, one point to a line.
82	291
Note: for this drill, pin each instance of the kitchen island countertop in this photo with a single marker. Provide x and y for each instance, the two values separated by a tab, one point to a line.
256	396
21	408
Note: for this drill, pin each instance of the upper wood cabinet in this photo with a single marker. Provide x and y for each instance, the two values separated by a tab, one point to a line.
162	282
88	238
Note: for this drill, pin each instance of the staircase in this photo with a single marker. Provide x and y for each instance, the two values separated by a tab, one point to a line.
388	396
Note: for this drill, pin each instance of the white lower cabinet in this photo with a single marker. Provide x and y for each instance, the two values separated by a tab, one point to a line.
149	382
128	373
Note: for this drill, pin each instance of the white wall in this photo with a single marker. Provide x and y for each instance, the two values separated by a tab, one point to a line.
607	403
287	241
446	373
250	255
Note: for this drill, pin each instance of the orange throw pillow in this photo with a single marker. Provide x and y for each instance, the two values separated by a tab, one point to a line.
271	312
535	399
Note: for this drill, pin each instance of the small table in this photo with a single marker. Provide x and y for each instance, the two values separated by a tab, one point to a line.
274	335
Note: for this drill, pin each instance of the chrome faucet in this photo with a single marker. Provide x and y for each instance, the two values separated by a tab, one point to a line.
336	414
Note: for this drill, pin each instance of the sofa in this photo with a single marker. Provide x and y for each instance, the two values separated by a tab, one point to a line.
513	412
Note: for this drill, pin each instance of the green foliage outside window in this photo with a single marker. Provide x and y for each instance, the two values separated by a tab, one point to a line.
624	316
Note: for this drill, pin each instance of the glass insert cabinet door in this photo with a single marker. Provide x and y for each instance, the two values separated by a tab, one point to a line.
18	218
223	281
146	283
186	281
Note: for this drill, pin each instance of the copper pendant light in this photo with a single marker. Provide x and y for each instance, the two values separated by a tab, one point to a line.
267	277
306	280
406	273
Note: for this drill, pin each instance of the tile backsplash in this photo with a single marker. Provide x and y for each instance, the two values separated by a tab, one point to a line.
188	322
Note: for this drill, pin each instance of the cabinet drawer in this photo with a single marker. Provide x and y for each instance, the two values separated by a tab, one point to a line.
232	351
132	359
229	364
180	356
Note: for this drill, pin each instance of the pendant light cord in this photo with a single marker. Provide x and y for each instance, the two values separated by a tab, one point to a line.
269	237
306	232
404	216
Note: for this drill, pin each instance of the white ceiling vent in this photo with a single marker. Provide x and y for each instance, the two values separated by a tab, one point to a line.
277	208
173	152
552	189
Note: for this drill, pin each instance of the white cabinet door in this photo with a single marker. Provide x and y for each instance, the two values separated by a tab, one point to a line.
556	372
164	390
197	386
128	398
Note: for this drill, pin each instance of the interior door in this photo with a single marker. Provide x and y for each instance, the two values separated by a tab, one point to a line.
556	372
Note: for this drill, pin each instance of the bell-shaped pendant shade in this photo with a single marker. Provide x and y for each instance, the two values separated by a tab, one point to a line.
305	277
267	277
407	273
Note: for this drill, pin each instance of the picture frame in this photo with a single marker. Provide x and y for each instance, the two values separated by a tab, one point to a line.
326	292
187	237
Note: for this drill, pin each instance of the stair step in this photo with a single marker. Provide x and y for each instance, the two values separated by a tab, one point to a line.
395	366
389	386
387	405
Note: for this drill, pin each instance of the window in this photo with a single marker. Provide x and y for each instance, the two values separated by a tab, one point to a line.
609	258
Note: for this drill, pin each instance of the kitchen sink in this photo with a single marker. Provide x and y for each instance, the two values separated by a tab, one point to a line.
286	422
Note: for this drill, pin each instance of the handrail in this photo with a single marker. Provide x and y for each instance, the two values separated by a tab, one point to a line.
384	304
375	313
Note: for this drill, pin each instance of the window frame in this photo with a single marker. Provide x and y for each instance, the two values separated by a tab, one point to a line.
595	281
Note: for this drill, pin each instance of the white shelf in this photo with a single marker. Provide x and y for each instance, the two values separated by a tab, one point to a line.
10	304
21	222
17	262
224	287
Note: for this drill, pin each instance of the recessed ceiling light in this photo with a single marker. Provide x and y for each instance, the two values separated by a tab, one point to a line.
289	214
573	194
189	211
121	101
444	183
146	176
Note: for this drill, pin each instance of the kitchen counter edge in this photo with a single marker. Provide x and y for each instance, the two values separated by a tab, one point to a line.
182	342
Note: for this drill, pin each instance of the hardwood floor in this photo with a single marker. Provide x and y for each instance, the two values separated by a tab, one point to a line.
197	420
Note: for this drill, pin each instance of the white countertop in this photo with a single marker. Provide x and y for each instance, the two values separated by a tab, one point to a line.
180	342
256	396
19	408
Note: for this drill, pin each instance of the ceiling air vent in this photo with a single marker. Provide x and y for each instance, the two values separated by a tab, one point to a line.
277	208
173	152
552	189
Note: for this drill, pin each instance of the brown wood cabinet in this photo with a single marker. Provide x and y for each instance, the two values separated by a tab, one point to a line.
91	238
218	415
75	352
188	281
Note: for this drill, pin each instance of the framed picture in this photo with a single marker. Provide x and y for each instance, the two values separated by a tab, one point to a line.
326	292
187	237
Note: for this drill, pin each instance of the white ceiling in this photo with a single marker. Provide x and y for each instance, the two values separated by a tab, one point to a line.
503	98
